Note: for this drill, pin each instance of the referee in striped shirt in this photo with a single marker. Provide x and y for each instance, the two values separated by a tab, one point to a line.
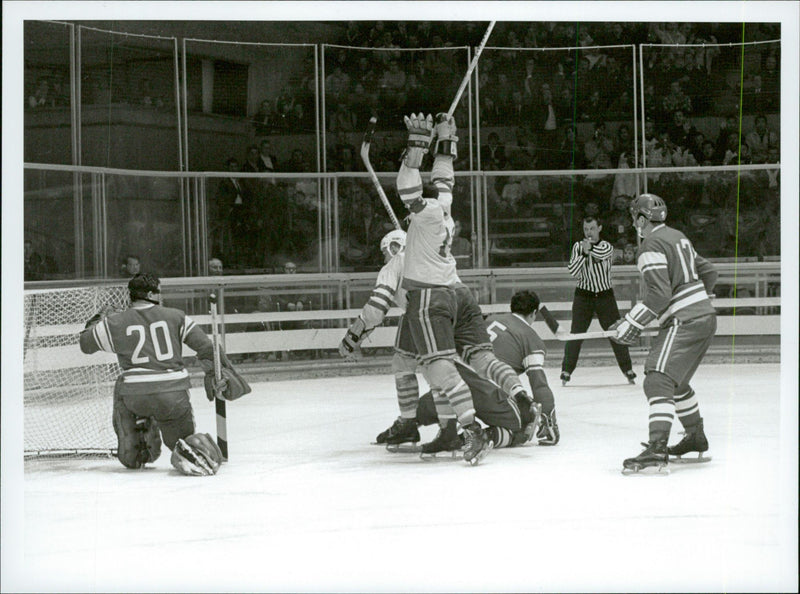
590	263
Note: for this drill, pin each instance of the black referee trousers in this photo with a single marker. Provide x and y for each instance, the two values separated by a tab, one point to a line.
584	305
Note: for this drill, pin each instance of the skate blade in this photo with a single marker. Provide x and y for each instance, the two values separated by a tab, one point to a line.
689	459
481	455
655	470
444	455
409	447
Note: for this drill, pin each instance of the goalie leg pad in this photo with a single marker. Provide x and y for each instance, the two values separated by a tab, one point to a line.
197	455
138	438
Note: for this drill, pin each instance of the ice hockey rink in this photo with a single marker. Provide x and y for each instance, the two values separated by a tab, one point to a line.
306	503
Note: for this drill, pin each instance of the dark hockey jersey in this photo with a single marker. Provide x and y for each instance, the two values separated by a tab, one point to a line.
148	341
515	343
677	278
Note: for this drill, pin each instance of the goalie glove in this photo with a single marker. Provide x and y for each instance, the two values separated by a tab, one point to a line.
197	455
630	327
420	129
349	348
445	135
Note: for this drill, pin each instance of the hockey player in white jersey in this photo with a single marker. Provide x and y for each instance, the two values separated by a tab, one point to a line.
429	276
387	292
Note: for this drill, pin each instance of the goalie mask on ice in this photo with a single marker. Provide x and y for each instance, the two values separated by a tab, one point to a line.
197	455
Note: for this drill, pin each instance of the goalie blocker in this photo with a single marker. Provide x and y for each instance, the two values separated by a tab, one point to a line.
231	385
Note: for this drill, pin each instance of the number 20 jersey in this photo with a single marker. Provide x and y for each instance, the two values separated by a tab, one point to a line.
148	341
677	278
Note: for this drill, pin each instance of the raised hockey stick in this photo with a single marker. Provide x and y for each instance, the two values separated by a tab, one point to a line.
563	335
365	158
219	401
472	65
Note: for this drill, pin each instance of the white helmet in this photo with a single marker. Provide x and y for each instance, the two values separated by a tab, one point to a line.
397	236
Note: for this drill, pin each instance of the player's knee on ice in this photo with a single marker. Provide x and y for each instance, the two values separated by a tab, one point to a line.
138	439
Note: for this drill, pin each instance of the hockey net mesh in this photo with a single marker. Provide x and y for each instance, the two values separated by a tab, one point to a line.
67	395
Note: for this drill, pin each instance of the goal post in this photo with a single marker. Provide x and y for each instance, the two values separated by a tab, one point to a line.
68	395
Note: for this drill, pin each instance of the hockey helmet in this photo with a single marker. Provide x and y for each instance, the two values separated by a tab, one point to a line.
141	285
397	236
650	206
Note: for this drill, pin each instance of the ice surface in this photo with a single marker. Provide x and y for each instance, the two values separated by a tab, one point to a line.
307	504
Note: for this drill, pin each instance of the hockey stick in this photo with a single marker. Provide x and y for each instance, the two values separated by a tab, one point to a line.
219	401
563	335
365	158
472	65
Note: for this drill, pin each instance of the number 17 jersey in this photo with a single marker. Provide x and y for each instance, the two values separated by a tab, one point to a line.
677	278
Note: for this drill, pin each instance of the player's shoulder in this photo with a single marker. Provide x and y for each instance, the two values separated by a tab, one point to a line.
166	313
515	325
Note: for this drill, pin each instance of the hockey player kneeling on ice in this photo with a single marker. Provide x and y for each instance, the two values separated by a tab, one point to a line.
151	396
504	416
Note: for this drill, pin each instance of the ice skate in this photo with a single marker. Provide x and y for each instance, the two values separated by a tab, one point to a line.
548	433
631	375
402	436
447	441
694	440
476	443
534	421
654	456
565	377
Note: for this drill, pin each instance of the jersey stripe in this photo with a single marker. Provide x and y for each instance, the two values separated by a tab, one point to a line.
663	357
136	376
103	337
534	361
379	303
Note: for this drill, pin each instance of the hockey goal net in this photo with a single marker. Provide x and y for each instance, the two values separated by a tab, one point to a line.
67	394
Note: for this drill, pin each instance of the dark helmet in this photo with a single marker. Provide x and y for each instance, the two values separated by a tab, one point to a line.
524	302
142	284
650	206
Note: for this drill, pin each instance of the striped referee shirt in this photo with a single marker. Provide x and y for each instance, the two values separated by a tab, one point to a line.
593	270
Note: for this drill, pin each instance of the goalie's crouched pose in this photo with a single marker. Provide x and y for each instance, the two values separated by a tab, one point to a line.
151	396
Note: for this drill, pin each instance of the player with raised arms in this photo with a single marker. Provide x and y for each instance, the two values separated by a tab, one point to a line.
678	282
429	277
151	396
444	317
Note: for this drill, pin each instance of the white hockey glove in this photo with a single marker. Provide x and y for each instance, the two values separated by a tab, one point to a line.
630	327
420	129
350	347
445	135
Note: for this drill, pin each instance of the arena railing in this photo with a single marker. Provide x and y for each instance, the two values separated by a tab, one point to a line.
508	218
255	321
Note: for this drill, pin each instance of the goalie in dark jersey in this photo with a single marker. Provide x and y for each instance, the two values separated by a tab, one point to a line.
151	396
